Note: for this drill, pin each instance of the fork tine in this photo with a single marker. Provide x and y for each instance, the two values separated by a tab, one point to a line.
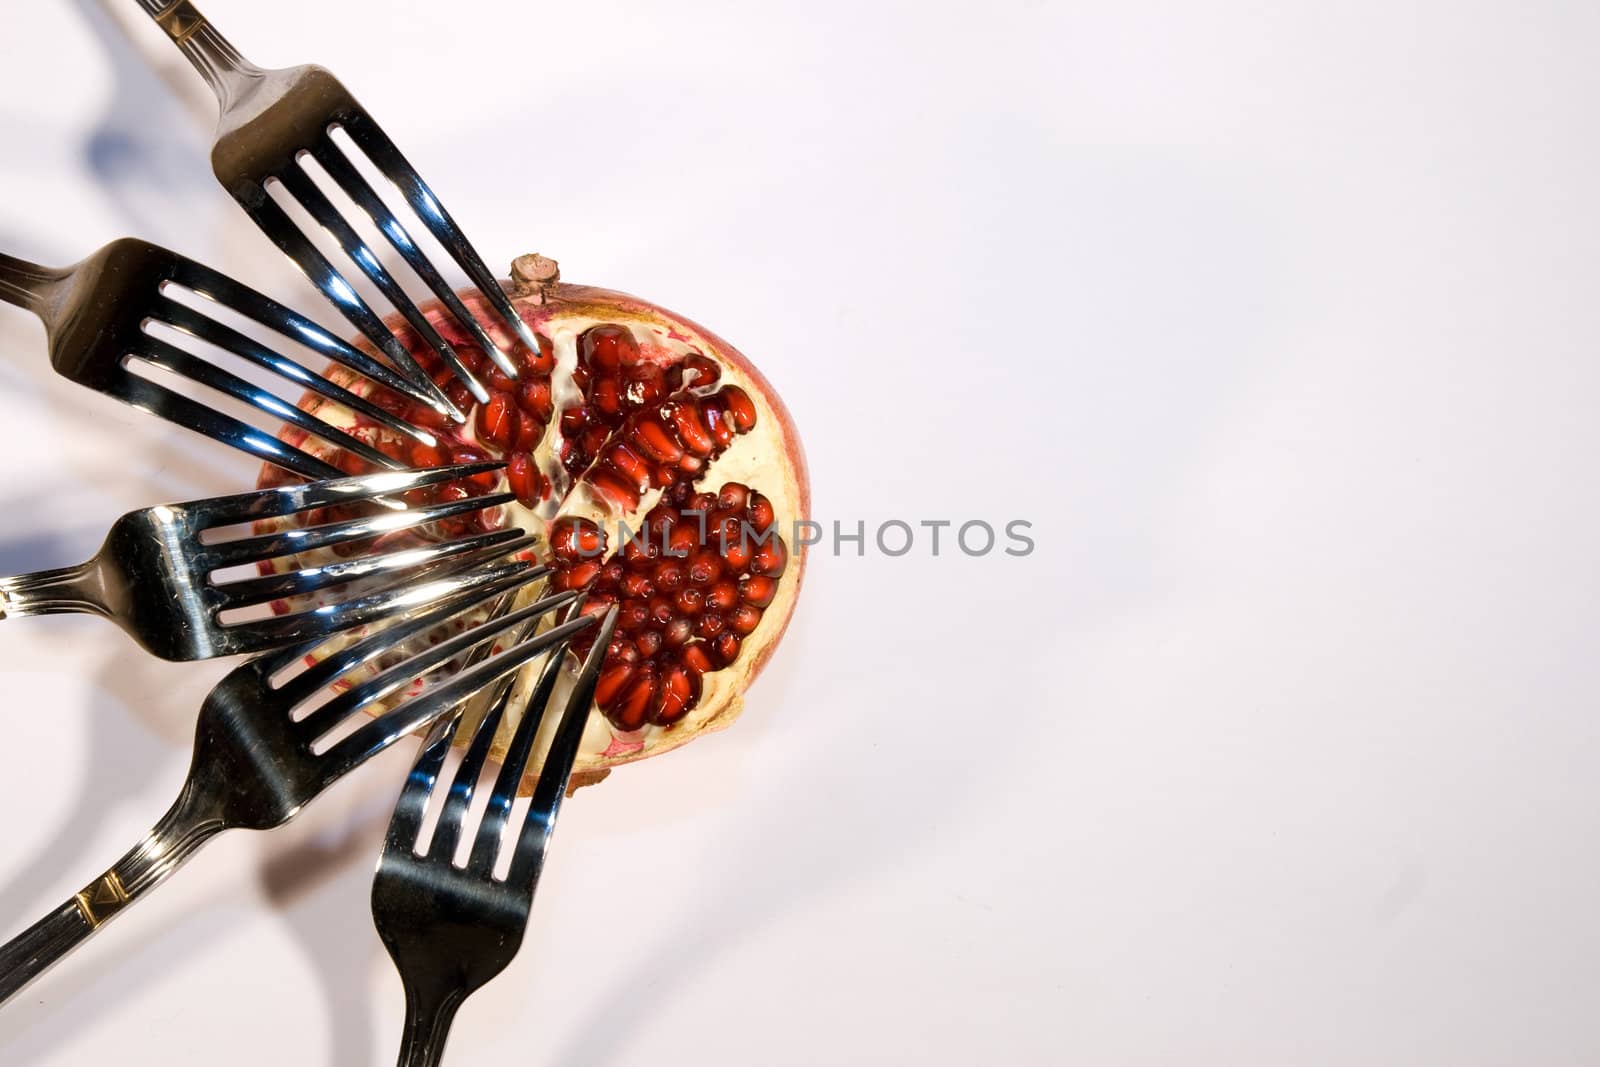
447	834
506	578
278	226
486	849
215	286
304	539
171	358
165	403
387	156
344	489
405	826
386	681
301	186
250	592
343	172
192	322
362	610
383	731
528	858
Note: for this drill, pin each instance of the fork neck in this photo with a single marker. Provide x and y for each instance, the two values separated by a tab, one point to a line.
227	72
27	285
429	1014
80	589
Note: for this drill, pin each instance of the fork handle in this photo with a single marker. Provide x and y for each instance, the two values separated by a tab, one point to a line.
428	1019
227	72
179	834
27	285
62	591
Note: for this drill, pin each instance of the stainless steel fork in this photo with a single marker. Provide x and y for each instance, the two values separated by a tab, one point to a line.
154	574
259	756
273	120
99	316
451	928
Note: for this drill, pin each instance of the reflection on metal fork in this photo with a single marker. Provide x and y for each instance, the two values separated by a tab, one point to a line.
271	122
154	574
451	928
255	764
99	316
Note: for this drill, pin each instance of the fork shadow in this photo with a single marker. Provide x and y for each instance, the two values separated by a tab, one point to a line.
319	881
145	150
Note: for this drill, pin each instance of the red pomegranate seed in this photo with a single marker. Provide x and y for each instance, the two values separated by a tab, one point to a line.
575	538
608	348
633	616
609	685
656	442
626	462
581	575
705	566
677	632
690	600
542	363
612	573
724	596
533	396
761	513
744	619
717	425
706	371
737	554
770	559
610	484
496	421
648	642
695	658
681	541
498	380
668	576
710	625
741	409
757	591
428	456
636	585
662	610
725	648
685	416
524	478
678	692
733	497
606	397
632	710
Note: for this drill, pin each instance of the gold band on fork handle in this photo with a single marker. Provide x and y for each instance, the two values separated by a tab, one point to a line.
181	20
102	898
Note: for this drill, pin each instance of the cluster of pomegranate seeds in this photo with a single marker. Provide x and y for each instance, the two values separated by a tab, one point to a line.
669	443
693	583
689	586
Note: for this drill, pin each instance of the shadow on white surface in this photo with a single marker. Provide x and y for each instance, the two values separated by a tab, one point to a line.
320	887
145	150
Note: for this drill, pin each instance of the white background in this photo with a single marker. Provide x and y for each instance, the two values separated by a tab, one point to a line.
1276	320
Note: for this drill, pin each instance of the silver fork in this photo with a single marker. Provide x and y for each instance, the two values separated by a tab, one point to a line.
153	575
259	757
98	314
270	121
449	928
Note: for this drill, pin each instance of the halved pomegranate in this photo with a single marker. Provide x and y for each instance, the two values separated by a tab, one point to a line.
660	470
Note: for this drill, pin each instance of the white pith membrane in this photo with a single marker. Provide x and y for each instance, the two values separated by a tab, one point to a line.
767	459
